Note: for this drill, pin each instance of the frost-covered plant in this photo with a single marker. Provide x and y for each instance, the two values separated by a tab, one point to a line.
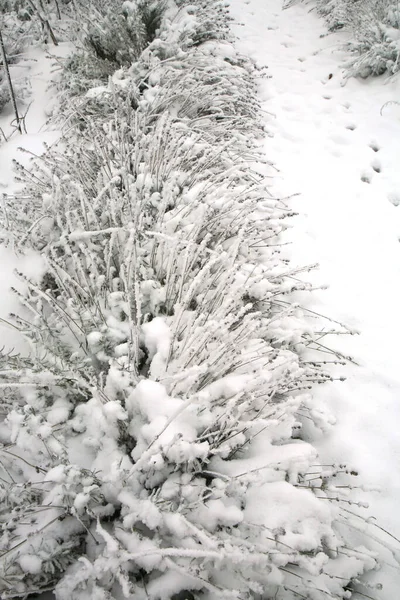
149	447
336	13
8	89
30	20
111	37
375	29
18	30
4	93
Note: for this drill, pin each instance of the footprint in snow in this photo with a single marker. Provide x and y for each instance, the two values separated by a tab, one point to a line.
374	146
325	80
335	152
394	198
339	139
376	165
366	177
351	126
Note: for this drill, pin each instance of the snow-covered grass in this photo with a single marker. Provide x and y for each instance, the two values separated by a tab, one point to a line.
152	445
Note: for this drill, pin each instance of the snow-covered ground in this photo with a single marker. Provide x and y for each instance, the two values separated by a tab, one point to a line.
337	145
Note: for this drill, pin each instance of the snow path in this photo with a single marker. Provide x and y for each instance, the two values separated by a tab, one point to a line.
335	145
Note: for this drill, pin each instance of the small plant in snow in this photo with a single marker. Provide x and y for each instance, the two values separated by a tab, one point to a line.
14	36
149	443
110	37
375	29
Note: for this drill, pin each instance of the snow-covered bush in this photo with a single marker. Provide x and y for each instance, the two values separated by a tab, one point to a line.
336	13
4	93
14	39
376	45
18	31
111	36
150	442
375	30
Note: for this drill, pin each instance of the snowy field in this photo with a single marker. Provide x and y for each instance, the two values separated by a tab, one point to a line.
334	143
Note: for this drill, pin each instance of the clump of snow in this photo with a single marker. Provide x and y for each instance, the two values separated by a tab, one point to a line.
30	564
157	339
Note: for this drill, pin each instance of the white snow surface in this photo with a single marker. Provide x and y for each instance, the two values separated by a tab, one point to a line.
336	144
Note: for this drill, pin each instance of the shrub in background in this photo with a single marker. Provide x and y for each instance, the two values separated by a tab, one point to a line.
375	30
22	23
15	36
376	46
111	37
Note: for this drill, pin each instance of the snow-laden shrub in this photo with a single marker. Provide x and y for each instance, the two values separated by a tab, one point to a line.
376	46
336	13
375	29
111	37
16	36
19	28
149	447
4	93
